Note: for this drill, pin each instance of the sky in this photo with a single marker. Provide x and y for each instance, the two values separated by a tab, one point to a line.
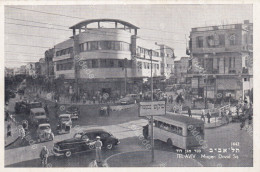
28	33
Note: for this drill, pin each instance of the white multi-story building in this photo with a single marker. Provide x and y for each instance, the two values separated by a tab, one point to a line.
108	57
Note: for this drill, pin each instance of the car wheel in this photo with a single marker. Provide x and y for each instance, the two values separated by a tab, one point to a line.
109	146
169	142
68	154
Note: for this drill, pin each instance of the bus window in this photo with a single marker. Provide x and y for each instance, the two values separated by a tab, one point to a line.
173	129
166	127
179	130
156	123
160	124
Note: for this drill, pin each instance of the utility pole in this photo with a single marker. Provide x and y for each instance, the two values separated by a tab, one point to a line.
152	134
206	96
125	65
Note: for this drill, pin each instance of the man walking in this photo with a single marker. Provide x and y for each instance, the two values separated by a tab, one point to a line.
44	156
98	145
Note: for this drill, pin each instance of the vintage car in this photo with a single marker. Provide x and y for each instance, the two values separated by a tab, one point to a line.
20	106
37	115
44	132
84	141
64	124
130	99
25	107
73	111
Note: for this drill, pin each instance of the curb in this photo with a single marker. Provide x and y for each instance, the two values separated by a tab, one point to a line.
107	165
12	142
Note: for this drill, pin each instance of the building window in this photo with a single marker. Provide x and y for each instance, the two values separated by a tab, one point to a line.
230	61
93	45
102	63
95	63
232	39
199	42
64	51
234	62
158	66
81	48
218	60
221	39
111	63
117	46
121	63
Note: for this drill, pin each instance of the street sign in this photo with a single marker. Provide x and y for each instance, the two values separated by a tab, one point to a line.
152	108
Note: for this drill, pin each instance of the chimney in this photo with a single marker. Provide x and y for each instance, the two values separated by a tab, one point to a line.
246	21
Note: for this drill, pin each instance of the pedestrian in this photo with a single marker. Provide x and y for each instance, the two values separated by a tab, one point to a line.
7	116
250	118
108	110
9	132
94	99
208	116
46	108
98	145
242	122
189	112
203	115
25	125
44	156
22	133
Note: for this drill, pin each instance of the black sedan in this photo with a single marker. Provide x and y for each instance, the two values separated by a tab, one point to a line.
84	141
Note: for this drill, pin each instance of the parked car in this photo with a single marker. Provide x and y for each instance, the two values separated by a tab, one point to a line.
64	123
10	93
44	132
25	107
130	99
20	106
73	111
84	141
36	115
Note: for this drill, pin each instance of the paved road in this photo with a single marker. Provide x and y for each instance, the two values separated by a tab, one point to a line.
222	137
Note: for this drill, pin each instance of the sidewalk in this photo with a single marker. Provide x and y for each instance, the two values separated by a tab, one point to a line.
14	131
65	100
143	159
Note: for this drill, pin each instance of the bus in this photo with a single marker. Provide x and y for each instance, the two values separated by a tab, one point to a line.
177	130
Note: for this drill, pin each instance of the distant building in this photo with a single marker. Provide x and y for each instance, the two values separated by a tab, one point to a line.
222	59
49	65
181	68
42	69
30	69
107	56
20	71
9	72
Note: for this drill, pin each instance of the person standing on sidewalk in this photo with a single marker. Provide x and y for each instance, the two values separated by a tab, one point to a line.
9	131
44	156
98	145
46	108
108	110
189	112
203	115
208	116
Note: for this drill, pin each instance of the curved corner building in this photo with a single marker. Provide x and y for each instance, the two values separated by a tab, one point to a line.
106	55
